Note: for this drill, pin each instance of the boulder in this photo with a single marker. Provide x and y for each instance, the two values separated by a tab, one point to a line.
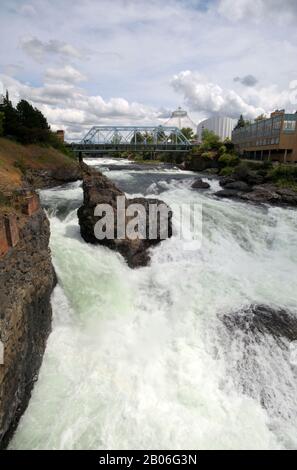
263	319
243	173
254	178
228	193
226	180
238	186
98	189
263	338
200	184
262	194
288	196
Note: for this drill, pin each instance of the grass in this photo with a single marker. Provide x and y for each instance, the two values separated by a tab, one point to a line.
15	159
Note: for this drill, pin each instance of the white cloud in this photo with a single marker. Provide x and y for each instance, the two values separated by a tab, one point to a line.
38	49
134	47
69	107
27	10
66	74
258	9
203	96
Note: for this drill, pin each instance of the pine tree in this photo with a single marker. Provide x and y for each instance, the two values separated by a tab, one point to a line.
31	117
241	123
2	117
11	122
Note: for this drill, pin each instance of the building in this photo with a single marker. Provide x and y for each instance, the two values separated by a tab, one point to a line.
221	126
272	139
61	135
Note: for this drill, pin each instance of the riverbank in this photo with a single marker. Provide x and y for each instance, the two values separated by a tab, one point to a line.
35	165
26	270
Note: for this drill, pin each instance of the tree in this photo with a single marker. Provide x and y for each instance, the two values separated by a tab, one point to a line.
25	123
188	133
161	137
11	122
31	117
240	123
229	145
137	137
261	117
148	138
210	141
1	123
116	138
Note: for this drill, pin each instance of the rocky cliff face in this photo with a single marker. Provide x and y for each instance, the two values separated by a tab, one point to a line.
49	178
27	280
98	189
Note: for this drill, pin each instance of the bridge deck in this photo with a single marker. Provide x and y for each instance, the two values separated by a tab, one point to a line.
105	148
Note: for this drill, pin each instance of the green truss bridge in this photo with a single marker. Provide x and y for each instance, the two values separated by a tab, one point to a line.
116	139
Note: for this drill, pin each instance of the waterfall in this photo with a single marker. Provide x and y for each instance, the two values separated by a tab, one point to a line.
139	359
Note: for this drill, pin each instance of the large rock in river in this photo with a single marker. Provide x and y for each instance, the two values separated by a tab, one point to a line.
98	190
200	184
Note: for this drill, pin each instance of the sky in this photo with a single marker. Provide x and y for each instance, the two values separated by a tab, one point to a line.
97	62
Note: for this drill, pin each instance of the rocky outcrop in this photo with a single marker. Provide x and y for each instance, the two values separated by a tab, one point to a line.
50	178
260	194
238	186
262	319
263	194
27	281
98	189
200	184
258	346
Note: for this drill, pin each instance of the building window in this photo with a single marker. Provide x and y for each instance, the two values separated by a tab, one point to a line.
277	124
289	126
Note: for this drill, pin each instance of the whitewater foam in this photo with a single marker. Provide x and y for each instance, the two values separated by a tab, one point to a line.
138	358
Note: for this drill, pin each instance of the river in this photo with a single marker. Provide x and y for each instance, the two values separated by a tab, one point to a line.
139	359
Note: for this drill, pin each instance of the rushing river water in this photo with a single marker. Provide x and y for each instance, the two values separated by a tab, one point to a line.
139	359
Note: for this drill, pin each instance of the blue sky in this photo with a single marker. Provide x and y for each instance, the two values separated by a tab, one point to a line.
87	62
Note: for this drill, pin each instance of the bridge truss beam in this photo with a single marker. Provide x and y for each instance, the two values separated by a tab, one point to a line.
134	135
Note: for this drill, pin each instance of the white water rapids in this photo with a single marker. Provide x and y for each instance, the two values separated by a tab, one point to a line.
138	359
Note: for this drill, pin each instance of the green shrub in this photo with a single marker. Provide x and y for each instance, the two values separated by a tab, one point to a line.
258	165
209	155
284	172
222	150
195	150
229	145
227	171
288	184
137	156
228	160
210	141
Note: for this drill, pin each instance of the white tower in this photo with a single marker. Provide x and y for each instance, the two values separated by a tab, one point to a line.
180	118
